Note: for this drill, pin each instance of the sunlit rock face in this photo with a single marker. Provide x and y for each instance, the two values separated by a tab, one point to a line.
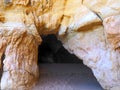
20	70
88	29
92	34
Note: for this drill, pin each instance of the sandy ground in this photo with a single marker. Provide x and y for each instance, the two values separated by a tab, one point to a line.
66	77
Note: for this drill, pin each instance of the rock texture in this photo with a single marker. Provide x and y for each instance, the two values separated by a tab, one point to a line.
88	29
20	69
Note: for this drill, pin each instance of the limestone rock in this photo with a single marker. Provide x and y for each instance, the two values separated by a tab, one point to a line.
88	29
97	44
20	69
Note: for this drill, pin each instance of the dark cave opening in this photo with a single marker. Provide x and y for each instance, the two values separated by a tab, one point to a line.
52	51
1	69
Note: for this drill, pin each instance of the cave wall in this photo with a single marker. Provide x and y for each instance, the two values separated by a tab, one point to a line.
88	29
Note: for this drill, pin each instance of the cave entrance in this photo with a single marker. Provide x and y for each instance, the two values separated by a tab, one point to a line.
62	76
52	51
61	70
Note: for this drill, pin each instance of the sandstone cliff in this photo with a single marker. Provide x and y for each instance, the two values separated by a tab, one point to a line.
88	29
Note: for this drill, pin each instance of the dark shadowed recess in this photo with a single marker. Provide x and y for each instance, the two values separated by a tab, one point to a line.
1	69
52	51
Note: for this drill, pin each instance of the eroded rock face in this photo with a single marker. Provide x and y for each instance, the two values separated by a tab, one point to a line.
20	71
88	29
94	38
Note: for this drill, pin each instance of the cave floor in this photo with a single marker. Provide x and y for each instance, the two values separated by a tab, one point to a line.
66	77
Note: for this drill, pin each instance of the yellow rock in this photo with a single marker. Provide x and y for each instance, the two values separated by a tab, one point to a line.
88	29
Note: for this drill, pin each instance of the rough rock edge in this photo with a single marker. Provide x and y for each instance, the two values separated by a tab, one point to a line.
20	71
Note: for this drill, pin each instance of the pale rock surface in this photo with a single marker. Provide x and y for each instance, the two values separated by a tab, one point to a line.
95	39
20	71
88	29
